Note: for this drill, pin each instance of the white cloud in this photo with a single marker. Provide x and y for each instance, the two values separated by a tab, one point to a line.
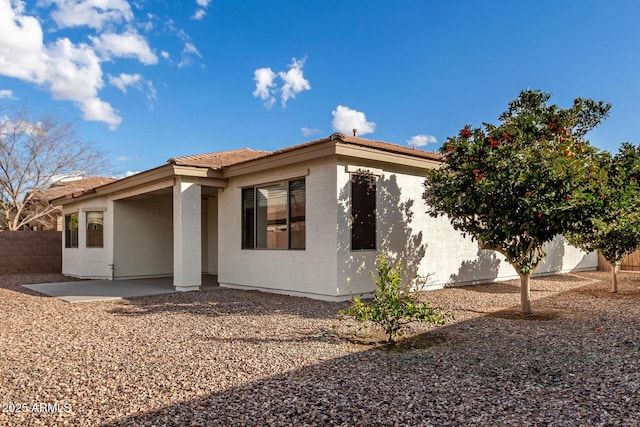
70	65
201	10
97	110
421	140
122	158
22	53
309	131
6	94
149	24
199	14
188	52
73	71
125	175
91	13
136	81
151	93
294	81
264	78
126	45
125	80
345	120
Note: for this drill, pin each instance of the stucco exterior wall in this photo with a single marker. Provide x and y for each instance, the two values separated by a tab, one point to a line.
83	262
143	237
429	248
310	272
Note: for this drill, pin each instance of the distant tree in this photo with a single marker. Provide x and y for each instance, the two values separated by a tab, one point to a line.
33	154
614	230
515	186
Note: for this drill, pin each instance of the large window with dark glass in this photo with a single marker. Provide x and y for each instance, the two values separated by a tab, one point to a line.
71	231
363	212
273	216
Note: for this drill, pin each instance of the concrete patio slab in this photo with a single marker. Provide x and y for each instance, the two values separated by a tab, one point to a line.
107	290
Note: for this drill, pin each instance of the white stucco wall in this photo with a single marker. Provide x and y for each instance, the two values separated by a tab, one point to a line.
429	247
310	272
143	237
83	262
328	269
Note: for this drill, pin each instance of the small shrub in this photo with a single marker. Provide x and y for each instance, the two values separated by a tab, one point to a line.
393	306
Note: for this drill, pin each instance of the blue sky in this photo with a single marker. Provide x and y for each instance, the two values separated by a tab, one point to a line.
147	80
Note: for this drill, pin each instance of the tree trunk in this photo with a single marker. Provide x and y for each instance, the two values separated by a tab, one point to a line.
525	294
614	278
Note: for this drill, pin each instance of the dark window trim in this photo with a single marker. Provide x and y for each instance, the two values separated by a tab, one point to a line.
252	244
364	235
71	240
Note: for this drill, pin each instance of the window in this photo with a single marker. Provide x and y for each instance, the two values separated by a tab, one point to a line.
71	231
95	233
273	216
363	212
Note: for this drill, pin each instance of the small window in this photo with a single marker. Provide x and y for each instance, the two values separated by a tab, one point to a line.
363	212
95	232
248	217
273	216
71	231
297	211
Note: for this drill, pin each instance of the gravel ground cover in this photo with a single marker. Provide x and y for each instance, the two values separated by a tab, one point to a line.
228	357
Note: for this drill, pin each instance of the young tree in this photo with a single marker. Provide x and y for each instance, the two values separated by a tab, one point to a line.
33	153
393	305
614	231
515	186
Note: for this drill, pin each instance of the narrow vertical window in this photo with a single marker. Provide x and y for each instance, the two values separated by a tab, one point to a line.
363	212
71	231
95	229
297	214
248	218
271	217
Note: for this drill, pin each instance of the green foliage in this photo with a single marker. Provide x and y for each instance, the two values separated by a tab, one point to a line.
614	230
393	305
517	185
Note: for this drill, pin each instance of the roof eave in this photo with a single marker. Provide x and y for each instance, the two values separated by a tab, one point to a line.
140	180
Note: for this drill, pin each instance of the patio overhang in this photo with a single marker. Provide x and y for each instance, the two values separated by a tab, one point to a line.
151	181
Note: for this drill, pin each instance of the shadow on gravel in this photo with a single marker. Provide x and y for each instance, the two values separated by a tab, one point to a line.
221	302
483	371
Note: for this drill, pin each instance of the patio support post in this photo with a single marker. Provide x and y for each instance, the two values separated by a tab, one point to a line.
187	244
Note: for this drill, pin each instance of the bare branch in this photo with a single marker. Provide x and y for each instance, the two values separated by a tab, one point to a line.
34	153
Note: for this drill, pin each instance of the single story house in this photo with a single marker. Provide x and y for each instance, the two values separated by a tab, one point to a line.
307	220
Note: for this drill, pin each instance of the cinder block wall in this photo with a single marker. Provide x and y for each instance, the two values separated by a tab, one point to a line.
28	252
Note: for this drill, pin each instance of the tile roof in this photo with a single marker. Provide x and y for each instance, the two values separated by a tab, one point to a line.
219	159
62	188
368	143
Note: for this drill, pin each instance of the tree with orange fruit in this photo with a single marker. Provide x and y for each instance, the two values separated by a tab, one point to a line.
614	231
515	186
